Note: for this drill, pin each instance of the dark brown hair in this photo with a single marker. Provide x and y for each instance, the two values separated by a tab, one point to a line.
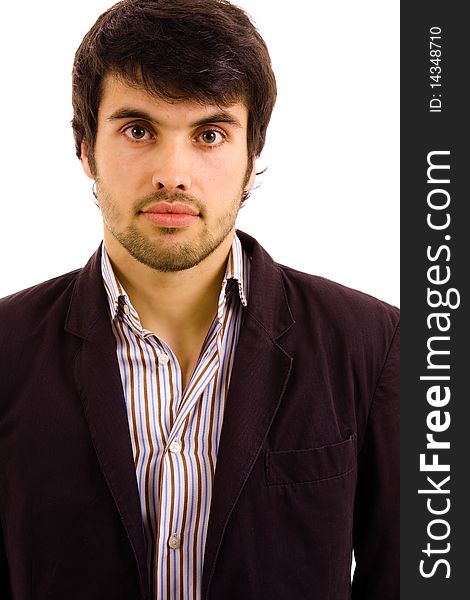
208	51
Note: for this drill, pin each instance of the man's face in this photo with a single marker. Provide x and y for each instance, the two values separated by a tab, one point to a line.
169	176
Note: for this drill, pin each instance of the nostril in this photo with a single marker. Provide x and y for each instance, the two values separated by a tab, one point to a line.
171	182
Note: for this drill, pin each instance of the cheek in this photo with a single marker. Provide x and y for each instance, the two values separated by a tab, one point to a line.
224	170
112	159
112	164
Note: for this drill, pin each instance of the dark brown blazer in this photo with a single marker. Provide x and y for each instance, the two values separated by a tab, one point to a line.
307	467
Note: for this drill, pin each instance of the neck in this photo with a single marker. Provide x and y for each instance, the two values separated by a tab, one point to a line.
171	302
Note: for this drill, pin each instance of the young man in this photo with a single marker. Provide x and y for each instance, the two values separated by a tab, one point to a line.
183	418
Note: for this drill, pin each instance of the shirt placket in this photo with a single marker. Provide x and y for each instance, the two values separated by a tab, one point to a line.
171	538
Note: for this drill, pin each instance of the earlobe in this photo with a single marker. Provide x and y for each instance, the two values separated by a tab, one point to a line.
85	161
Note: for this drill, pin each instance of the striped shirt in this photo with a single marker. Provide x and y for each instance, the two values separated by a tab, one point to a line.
174	432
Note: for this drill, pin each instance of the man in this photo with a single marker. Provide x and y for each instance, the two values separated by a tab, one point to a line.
183	418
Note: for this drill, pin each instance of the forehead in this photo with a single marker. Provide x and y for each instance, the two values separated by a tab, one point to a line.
119	97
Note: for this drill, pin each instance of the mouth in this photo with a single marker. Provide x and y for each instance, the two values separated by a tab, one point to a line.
171	214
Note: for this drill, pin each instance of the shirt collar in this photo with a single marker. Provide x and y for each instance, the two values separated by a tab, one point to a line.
237	269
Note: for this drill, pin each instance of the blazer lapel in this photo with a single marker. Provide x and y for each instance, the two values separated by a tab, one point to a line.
259	377
98	381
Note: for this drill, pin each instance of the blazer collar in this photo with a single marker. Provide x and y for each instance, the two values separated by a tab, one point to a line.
267	297
268	300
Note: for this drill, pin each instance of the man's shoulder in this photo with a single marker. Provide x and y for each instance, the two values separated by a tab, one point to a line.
31	304
318	303
327	288
336	305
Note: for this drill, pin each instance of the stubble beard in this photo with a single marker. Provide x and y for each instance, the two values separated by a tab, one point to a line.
165	252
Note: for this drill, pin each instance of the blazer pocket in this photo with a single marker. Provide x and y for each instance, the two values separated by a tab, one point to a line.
312	464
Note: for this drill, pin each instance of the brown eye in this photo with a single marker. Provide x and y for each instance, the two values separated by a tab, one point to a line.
211	137
137	132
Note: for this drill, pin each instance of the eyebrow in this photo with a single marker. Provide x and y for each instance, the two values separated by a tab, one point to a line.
217	117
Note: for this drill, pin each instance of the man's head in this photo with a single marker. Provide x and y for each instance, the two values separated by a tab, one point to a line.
206	51
172	99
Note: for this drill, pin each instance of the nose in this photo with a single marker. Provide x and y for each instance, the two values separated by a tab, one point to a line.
171	170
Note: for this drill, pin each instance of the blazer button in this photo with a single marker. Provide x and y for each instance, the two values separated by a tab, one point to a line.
174	542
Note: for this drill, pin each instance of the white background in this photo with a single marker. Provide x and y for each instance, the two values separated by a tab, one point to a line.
328	203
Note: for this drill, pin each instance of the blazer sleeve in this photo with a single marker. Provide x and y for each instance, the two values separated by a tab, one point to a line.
377	505
5	589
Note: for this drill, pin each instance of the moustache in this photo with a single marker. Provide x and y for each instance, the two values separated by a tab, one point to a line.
164	196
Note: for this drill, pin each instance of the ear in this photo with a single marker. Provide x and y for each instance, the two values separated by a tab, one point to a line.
84	150
251	180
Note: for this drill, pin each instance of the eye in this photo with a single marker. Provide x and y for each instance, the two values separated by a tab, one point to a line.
212	137
137	133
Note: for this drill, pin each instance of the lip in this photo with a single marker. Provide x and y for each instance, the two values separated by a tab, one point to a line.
170	219
171	208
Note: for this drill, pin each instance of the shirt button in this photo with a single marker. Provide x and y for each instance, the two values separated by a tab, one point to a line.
174	542
175	446
163	359
126	310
